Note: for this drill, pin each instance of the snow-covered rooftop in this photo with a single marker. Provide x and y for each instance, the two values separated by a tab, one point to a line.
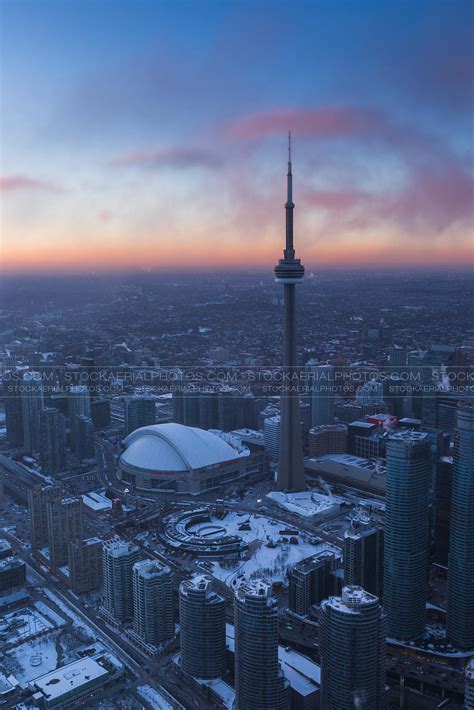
306	503
71	677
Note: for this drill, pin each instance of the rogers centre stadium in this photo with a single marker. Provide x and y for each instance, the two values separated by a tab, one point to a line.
187	460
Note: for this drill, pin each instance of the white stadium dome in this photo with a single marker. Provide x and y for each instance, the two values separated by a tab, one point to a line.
176	448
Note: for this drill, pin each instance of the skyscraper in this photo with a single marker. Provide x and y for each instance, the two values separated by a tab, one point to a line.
460	617
85	564
202	628
311	581
363	558
13	408
65	523
53	440
37	508
469	685
32	403
271	432
322	394
82	437
259	681
139	411
118	558
79	401
153	618
352	647
290	271
406	534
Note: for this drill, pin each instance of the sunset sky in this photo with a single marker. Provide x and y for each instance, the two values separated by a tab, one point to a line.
152	135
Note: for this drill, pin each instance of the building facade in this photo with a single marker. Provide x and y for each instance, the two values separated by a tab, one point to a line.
32	398
460	617
407	534
37	509
327	439
85	565
322	395
139	411
153	619
65	523
352	648
118	558
311	581
12	573
53	441
202	628
259	681
363	558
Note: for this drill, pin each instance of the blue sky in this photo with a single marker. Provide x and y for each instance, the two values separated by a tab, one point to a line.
130	124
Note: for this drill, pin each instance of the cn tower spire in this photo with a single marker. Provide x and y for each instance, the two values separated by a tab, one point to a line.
290	271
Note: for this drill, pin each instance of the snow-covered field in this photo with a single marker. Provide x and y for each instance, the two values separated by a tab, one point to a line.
272	562
32	658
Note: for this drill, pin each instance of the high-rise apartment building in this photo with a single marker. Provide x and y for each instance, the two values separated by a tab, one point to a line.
153	619
460	617
37	508
79	401
352	648
32	398
118	558
65	523
322	394
311	581
139	411
53	441
259	681
13	408
85	565
202	628
82	437
407	534
363	557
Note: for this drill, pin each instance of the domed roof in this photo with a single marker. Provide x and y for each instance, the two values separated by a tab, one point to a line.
175	447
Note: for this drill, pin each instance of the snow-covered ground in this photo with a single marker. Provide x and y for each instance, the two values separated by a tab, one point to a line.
272	562
154	697
78	621
32	658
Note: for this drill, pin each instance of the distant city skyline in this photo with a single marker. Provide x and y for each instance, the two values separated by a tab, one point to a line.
139	135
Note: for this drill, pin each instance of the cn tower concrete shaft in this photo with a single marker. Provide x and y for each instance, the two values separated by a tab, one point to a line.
290	271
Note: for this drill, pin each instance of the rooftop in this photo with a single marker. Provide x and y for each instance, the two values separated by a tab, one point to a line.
150	569
254	588
71	677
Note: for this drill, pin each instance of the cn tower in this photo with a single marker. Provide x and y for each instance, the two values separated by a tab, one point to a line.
290	271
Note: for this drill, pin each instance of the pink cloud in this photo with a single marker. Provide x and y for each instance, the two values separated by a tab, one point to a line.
322	122
14	183
432	199
104	215
169	157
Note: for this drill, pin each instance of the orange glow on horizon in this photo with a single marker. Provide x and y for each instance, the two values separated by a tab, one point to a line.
100	258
